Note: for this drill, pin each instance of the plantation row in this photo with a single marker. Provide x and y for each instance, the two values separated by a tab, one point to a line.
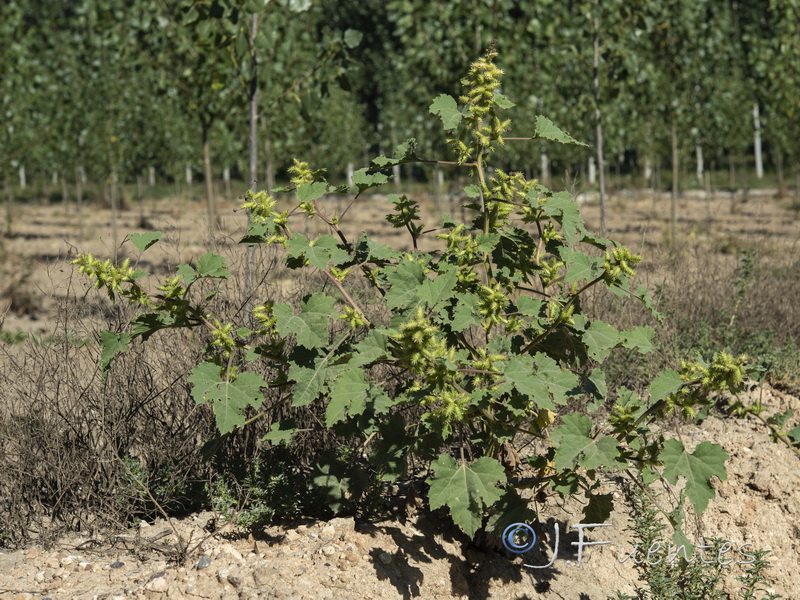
104	91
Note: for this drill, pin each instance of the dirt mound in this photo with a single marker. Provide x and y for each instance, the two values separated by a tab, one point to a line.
425	557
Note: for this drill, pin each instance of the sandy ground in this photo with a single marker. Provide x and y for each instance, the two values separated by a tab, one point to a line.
759	503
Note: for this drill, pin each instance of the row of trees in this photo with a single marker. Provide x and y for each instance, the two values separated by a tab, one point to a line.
114	90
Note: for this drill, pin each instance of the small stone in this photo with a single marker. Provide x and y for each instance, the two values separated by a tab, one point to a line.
85	566
157	584
39	577
385	558
352	557
117	564
204	562
263	576
234	580
23	596
68	560
327	533
32	553
328	550
231	551
292	535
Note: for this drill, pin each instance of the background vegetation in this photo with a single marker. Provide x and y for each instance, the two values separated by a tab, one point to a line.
107	91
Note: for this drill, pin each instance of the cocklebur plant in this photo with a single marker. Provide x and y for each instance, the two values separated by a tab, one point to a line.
466	348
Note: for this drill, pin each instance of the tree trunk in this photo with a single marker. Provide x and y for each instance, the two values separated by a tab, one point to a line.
592	170
226	180
781	179
209	182
253	157
700	167
673	207
269	166
151	176
438	183
598	116
545	167
757	142
23	179
351	169
113	197
64	195
79	180
9	206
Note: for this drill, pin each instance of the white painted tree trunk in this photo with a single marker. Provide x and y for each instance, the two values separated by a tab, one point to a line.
54	178
151	176
23	180
351	169
438	181
226	180
592	171
82	174
188	175
396	173
698	150
648	169
757	142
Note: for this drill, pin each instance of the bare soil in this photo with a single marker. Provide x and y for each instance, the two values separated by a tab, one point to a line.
422	556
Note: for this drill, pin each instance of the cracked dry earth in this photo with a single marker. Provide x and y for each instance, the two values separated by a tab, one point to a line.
424	557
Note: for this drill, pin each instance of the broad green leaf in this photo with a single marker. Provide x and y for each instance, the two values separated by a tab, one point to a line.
212	265
404	152
187	272
575	446
142	241
147	324
309	382
464	315
319	252
439	289
665	384
229	398
406	280
487	241
563	208
311	325
511	508
371	348
473	191
598	388
519	374
280	433
445	106
600	338
364	180
465	489
501	101
308	192
559	382
707	461
348	396
352	38
794	434
112	344
548	130
639	338
530	307
580	266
